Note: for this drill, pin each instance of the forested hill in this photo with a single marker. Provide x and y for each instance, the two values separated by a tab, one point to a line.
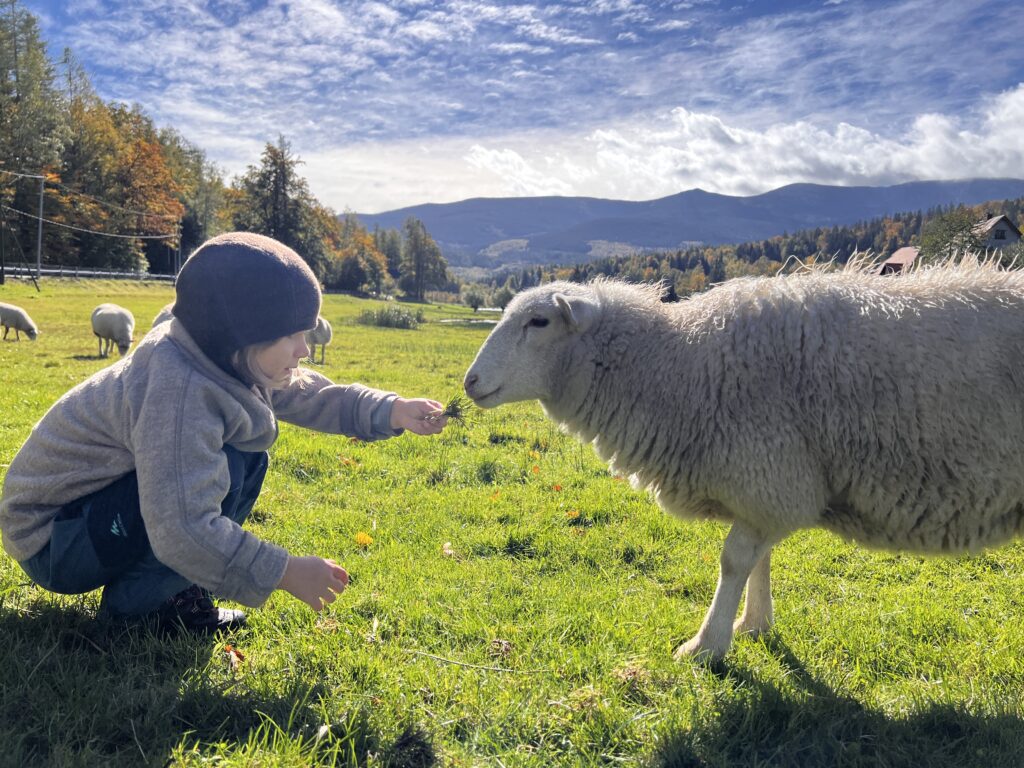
491	232
695	268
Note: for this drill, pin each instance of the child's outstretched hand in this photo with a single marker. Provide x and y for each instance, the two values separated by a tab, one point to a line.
314	580
419	415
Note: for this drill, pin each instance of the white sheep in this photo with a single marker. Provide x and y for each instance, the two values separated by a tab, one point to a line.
113	324
889	410
166	313
18	319
321	335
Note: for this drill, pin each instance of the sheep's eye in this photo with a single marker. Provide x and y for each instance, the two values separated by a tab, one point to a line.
538	322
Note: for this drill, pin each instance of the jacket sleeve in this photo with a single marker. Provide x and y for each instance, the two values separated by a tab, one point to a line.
353	409
178	439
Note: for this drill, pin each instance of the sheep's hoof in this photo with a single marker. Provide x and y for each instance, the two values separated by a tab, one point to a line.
699	651
751	627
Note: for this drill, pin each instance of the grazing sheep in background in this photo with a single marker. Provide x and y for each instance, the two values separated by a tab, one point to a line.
18	319
113	325
321	335
163	315
889	410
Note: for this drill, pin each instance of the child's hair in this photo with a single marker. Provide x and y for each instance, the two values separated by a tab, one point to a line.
244	363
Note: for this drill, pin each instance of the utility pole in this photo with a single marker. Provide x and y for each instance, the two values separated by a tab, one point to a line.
14	44
177	261
39	235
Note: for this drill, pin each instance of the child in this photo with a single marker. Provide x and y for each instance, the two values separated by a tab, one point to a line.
138	480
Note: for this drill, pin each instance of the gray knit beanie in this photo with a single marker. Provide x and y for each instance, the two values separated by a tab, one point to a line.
239	289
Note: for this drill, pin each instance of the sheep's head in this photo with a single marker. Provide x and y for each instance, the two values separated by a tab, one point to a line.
525	356
123	345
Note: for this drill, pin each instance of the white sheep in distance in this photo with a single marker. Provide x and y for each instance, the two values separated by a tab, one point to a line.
113	324
321	335
885	409
18	319
163	315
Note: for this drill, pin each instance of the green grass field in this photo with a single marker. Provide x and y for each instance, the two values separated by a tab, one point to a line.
518	606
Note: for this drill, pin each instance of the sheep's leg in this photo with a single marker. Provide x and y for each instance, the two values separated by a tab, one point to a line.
757	616
323	353
6	329
743	549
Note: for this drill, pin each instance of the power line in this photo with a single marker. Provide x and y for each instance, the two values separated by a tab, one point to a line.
90	197
112	205
87	231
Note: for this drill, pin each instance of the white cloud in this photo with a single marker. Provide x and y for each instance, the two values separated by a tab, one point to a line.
577	98
513	49
671	152
516	173
425	31
381	13
672	25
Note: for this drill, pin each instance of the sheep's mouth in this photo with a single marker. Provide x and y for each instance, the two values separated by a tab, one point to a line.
479	399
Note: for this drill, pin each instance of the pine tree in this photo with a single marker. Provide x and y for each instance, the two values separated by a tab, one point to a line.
423	266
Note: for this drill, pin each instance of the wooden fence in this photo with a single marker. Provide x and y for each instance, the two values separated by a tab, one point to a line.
56	270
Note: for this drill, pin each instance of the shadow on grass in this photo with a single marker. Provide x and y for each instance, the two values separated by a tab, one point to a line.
77	691
814	726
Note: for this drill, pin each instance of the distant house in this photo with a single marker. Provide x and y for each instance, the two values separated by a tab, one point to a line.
998	231
900	261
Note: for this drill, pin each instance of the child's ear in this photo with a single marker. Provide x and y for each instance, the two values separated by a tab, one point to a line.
579	313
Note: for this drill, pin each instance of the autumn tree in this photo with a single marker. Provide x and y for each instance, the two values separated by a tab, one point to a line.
135	173
85	180
359	265
201	190
318	238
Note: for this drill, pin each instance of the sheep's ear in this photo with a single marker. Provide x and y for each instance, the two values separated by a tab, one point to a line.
577	312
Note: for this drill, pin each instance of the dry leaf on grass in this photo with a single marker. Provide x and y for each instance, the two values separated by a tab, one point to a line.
234	656
500	649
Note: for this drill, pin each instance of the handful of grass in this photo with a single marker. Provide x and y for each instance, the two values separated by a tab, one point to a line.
458	410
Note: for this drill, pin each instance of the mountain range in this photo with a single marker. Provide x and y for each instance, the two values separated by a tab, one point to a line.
492	232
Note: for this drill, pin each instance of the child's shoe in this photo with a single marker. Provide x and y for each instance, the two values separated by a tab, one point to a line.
193	610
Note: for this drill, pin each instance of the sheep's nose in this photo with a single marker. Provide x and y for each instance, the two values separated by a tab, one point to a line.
470	382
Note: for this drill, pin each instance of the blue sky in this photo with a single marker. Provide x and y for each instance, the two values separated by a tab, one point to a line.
392	103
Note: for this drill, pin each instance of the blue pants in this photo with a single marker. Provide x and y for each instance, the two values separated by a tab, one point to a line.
100	541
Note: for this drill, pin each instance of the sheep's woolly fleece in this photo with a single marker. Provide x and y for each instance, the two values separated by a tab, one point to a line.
113	324
886	409
17	318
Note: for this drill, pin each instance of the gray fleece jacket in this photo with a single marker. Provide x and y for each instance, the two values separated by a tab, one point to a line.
166	411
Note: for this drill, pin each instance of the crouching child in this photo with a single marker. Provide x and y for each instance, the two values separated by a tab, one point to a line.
138	480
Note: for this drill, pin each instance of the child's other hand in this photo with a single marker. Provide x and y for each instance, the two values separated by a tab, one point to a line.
314	580
419	415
